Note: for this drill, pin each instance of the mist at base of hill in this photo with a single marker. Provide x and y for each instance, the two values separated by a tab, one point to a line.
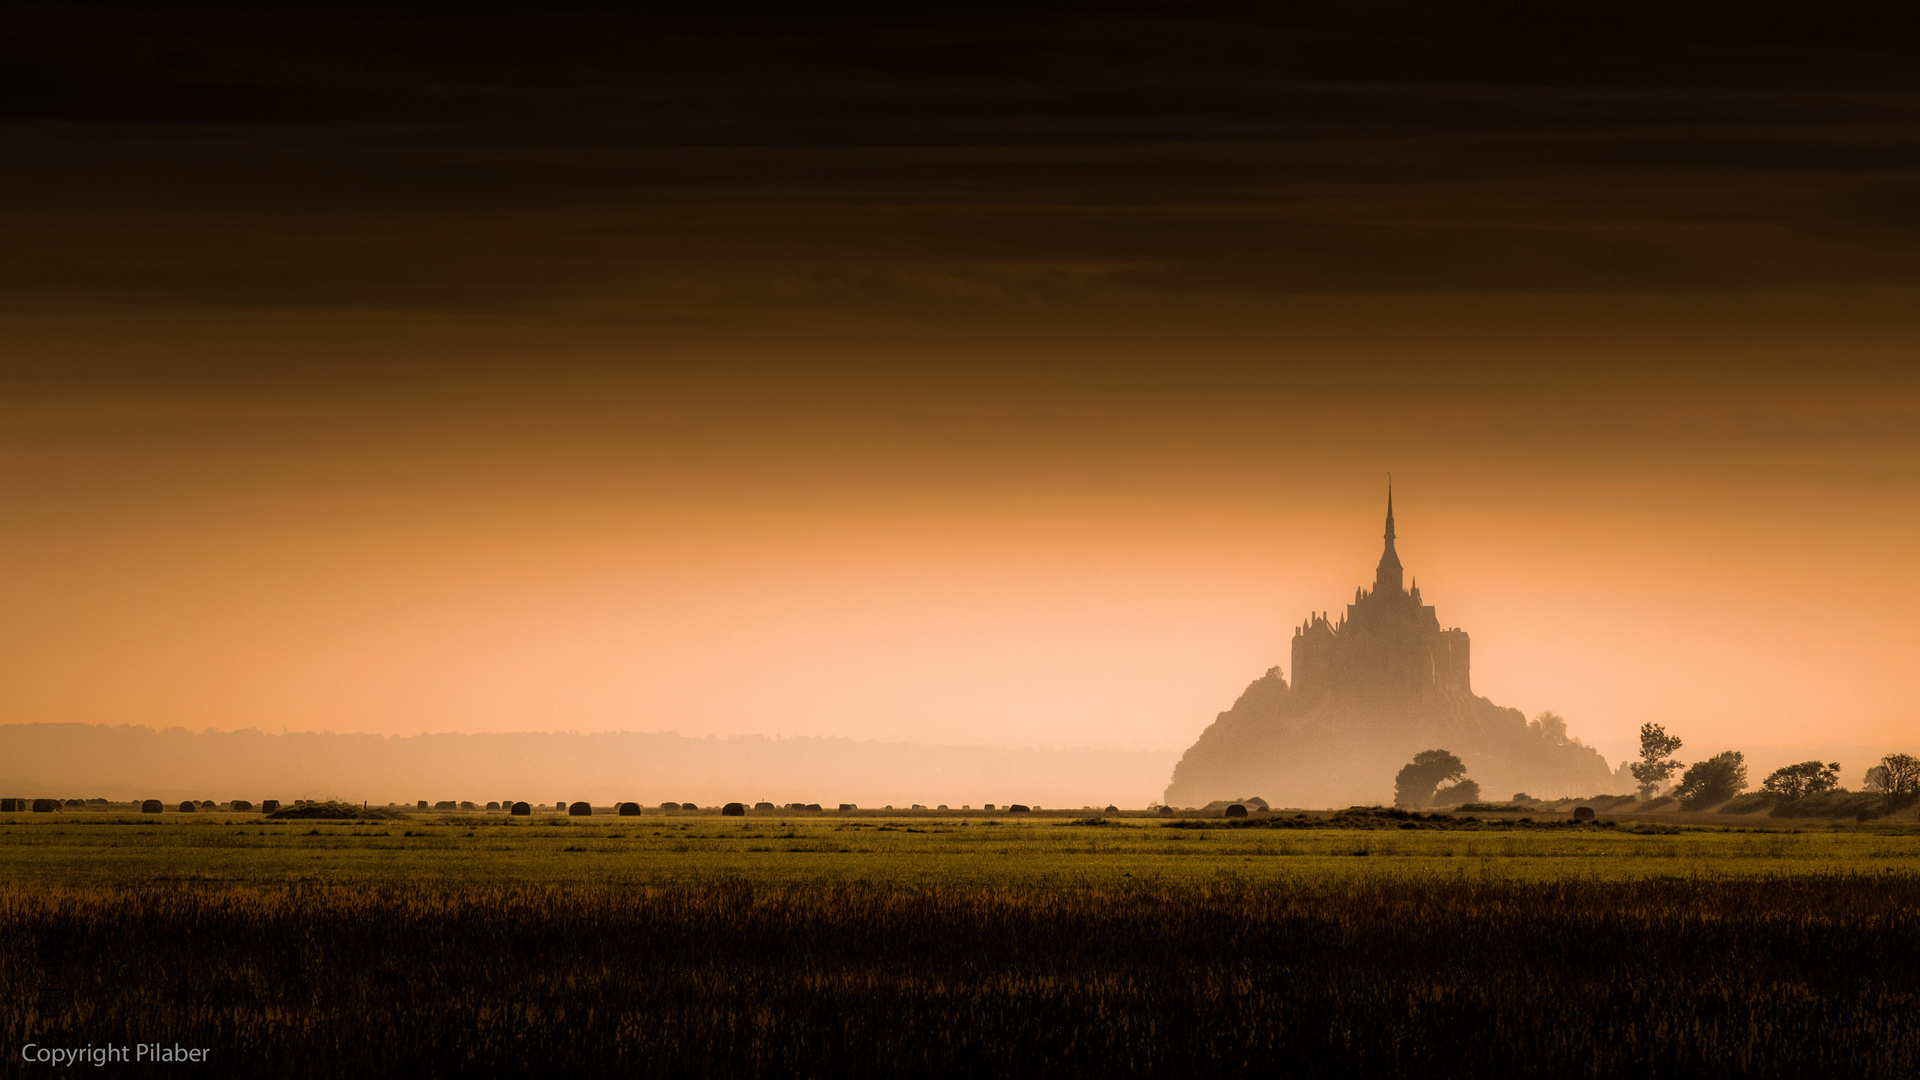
134	762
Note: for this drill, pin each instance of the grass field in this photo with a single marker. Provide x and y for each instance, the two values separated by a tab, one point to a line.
123	849
862	945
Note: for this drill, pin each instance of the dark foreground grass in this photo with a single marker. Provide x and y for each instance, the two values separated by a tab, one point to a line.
1811	975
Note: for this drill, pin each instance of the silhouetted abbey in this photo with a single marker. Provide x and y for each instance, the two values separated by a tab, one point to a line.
1370	689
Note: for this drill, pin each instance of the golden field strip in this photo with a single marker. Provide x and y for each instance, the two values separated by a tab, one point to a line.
1013	945
118	848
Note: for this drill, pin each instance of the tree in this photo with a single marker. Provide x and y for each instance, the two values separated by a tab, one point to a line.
1713	781
1550	725
1656	762
1877	780
1806	778
1900	778
1413	788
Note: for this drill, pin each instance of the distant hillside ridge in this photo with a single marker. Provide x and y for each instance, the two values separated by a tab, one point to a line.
125	762
1371	689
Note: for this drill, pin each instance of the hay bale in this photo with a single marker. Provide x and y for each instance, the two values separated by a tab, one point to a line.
188	807
1112	809
1166	811
242	806
268	806
1236	811
446	804
629	809
1019	808
764	806
8	806
45	806
669	806
421	805
1583	813
493	806
813	806
847	807
734	809
689	806
465	805
580	809
520	809
152	806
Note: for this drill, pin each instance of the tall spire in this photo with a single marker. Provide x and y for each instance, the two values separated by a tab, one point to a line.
1387	578
1389	511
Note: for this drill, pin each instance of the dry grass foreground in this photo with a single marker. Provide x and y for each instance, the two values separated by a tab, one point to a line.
1123	949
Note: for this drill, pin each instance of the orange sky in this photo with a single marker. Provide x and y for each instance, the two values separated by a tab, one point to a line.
987	375
1033	549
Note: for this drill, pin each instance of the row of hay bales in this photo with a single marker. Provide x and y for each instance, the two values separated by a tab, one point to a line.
147	806
633	809
48	806
508	806
238	806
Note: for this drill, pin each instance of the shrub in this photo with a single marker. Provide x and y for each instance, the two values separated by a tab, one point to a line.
1236	811
1799	781
1466	791
734	809
268	806
1859	805
151	806
1751	803
1713	781
242	806
520	809
188	807
580	809
332	811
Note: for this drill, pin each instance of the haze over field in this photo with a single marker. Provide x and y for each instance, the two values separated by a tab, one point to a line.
991	379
